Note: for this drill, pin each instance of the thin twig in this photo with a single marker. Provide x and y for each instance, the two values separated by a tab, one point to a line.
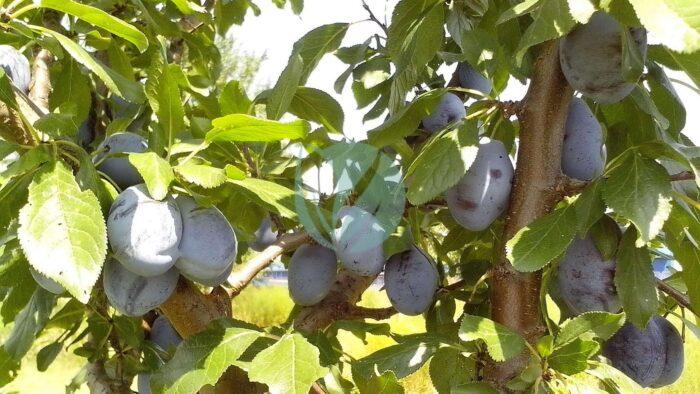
374	17
680	298
682	176
360	312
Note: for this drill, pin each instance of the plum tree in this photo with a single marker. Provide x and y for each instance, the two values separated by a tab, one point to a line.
312	271
411	281
208	246
118	168
144	233
358	241
591	58
585	280
16	66
583	154
469	78
482	194
652	357
47	283
264	236
163	334
134	295
449	109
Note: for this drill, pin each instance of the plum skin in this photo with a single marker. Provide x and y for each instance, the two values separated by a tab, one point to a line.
16	66
264	236
119	169
411	281
585	280
134	295
312	272
469	78
674	357
482	195
583	153
358	242
208	246
144	233
163	333
449	109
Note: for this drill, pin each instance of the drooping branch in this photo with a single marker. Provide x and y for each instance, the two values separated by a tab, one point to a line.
41	80
680	298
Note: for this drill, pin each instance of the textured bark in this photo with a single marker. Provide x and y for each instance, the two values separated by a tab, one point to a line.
190	311
41	81
542	115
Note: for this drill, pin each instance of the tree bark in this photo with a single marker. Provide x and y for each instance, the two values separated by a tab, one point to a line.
542	115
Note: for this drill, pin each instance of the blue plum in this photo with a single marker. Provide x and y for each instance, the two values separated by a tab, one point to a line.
469	78
583	153
312	271
449	109
135	295
16	66
358	242
119	169
163	334
264	236
411	281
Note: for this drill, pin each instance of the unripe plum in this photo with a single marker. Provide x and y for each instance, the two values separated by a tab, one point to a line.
16	67
674	360
264	236
208	246
591	58
312	271
119	169
583	154
144	233
411	281
47	283
163	333
469	78
483	193
358	242
134	295
585	280
449	109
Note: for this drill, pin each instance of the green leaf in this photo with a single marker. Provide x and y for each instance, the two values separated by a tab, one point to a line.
402	359
449	369
385	383
269	195
572	358
289	366
29	322
606	235
474	388
551	20
163	95
688	63
612	379
589	207
47	355
501	343
518	10
638	189
601	325
27	162
8	367
233	99
97	17
62	231
70	87
689	256
543	240
203	358
666	99
156	173
318	106
202	175
676	23
246	128
283	92
316	43
635	281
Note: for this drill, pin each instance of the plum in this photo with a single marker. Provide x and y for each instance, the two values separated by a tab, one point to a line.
119	169
358	242
674	358
639	354
411	281
144	233
483	193
583	153
16	67
134	295
591	58
449	109
264	236
208	246
48	284
469	78
163	333
143	383
586	281
312	271
214	282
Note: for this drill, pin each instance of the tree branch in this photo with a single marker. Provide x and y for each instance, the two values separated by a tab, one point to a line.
683	176
360	312
680	298
41	81
374	18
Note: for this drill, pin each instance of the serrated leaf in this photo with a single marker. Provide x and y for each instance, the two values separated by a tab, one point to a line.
551	20
62	231
635	281
163	94
543	240
572	358
233	99
70	87
638	189
26	162
689	256
316	43
29	322
501	343
155	171
202	175
402	359
318	106
450	369
601	325
270	195
688	63
289	366
612	379
676	23
246	128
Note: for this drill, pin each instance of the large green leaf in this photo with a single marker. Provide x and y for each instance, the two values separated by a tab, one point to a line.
70	87
99	18
688	63
246	128
676	23
202	175
601	325
551	20
689	256
163	95
501	343
289	366
402	359
155	171
318	106
283	92
29	322
572	358
635	281
269	195
62	231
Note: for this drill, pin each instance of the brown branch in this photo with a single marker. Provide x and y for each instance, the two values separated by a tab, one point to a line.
680	298
567	186
454	286
374	18
683	176
190	311
360	312
243	276
41	81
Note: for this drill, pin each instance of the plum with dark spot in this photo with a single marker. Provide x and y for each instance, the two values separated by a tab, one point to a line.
358	242
449	109
483	193
16	66
208	246
591	58
264	236
411	281
583	153
144	233
586	281
471	79
119	169
163	334
134	295
47	283
312	271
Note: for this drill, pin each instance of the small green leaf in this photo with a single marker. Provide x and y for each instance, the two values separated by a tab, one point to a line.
634	280
47	355
289	366
551	20
233	99
269	195
474	388
385	383
234	172
606	235
9	367
283	92
202	175
156	172
449	368
572	358
601	325
29	322
518	10
501	343
318	106
245	128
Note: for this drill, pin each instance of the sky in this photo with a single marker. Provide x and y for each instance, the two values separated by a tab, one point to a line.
274	32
